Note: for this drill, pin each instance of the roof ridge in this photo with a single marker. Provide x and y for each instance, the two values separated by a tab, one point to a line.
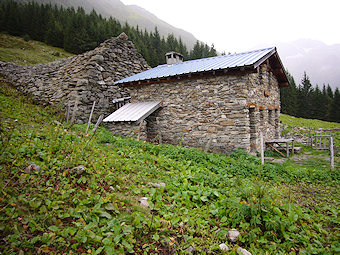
220	56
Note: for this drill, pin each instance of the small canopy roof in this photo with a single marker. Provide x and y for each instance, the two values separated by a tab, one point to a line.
133	112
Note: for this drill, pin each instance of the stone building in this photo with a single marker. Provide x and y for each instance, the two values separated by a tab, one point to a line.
221	103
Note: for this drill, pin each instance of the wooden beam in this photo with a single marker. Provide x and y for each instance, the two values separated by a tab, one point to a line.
262	107
284	84
272	147
251	105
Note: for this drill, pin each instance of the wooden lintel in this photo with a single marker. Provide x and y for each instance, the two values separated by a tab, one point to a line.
251	105
270	108
284	84
276	107
262	107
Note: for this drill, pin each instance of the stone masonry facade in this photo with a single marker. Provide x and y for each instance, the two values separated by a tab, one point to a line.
84	78
222	112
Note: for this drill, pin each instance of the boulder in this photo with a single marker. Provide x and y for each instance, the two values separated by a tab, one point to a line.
79	170
223	247
233	235
242	251
157	185
144	202
32	167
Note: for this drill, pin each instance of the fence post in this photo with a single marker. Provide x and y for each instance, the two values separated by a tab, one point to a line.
88	124
262	148
332	152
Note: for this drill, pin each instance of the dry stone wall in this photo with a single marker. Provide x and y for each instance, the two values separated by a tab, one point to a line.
84	78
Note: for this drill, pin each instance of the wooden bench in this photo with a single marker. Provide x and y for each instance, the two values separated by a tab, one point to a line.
279	145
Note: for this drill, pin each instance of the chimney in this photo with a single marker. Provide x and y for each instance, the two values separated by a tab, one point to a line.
173	58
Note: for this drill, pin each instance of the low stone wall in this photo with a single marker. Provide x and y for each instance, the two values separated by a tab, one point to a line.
129	129
84	78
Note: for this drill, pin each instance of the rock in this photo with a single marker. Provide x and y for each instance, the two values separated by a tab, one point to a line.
144	202
269	159
57	122
242	251
279	160
190	250
157	185
223	247
123	36
233	235
78	170
32	167
97	58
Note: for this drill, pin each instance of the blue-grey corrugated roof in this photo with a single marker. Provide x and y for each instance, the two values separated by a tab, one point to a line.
245	59
133	112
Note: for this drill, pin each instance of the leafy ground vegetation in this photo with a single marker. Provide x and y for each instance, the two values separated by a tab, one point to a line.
28	52
53	209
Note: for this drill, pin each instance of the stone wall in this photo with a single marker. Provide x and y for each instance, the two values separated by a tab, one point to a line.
84	78
213	111
129	129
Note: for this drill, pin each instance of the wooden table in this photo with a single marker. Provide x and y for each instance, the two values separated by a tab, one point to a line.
279	143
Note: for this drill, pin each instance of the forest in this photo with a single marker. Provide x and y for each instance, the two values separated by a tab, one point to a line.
306	101
77	31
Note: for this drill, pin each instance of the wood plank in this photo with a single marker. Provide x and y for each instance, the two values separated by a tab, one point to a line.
262	148
272	147
88	124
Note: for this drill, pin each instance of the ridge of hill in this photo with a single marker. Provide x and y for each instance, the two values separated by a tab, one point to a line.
132	14
28	52
65	191
320	61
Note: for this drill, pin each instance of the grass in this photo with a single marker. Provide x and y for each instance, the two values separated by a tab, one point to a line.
17	50
289	208
278	209
308	123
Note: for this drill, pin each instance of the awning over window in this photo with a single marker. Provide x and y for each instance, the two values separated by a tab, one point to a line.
133	112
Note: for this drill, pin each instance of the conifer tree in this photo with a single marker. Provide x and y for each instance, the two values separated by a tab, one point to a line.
289	97
334	111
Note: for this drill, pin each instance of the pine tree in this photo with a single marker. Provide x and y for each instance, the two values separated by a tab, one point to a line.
289	97
334	111
305	98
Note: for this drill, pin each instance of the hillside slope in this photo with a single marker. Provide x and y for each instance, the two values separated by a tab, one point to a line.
17	50
64	191
132	14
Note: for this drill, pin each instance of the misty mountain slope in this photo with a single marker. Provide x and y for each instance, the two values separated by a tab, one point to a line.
132	14
320	61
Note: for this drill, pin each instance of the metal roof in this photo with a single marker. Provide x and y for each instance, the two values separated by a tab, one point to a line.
133	112
245	59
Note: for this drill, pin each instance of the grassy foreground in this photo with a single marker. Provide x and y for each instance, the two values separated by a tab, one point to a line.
53	209
17	50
